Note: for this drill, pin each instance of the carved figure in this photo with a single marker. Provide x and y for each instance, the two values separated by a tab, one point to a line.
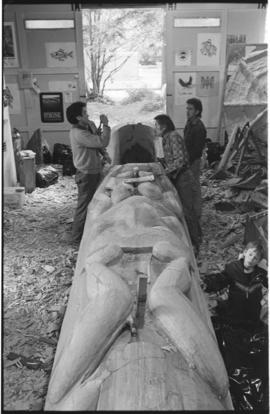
136	333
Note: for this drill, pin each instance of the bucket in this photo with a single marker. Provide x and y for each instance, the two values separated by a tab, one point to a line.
14	197
27	172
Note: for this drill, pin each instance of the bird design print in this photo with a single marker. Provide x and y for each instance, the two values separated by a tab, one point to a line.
185	84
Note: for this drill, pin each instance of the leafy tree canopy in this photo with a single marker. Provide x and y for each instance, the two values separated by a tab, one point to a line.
106	32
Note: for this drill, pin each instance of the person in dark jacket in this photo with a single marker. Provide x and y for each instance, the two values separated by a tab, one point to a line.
195	140
246	285
241	326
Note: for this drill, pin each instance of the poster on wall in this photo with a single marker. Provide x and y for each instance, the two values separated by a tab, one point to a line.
62	86
68	97
207	84
51	107
61	54
10	52
208	49
15	107
184	87
183	57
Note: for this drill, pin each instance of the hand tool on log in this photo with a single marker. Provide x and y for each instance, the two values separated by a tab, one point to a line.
144	179
136	319
141	301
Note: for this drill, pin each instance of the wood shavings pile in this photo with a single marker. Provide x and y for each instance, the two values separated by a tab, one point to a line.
38	270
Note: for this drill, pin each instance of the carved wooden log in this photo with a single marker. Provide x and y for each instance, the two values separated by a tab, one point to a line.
172	362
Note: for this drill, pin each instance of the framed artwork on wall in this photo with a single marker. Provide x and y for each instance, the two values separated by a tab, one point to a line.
207	84
15	108
208	49
183	57
10	51
184	87
51	107
61	54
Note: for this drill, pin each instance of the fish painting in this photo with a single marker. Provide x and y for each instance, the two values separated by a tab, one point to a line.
61	55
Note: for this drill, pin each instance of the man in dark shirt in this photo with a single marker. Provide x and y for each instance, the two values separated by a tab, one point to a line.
195	140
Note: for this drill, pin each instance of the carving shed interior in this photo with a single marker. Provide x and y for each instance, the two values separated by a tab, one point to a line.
135	206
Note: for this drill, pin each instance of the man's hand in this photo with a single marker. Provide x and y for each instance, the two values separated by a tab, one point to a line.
107	158
103	119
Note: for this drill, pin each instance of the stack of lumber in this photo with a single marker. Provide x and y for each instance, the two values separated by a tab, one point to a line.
244	161
246	91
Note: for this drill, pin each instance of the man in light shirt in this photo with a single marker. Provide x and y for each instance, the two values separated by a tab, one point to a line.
86	144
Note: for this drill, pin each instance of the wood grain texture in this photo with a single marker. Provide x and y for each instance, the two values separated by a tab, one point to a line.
98	364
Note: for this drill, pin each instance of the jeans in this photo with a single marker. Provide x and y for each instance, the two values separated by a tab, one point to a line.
87	185
185	184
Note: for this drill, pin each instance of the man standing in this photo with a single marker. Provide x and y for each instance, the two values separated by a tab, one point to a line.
86	144
195	140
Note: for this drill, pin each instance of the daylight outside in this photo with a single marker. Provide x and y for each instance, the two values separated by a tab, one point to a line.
123	58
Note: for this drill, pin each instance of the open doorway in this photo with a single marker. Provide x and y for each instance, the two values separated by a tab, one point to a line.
123	60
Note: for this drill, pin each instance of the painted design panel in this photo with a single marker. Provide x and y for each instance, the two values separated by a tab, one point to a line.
208	49
207	84
184	87
183	57
61	54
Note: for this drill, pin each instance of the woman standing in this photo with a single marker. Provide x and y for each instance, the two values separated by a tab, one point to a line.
178	170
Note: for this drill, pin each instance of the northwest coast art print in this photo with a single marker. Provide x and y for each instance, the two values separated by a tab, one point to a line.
207	84
10	53
183	57
208	49
61	54
184	87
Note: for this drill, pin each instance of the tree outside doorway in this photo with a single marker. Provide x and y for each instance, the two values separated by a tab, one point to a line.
123	54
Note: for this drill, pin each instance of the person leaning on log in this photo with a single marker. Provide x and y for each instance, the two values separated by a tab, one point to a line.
176	163
195	140
86	143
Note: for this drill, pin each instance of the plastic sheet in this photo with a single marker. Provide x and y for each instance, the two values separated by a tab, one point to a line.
245	354
246	389
61	153
46	176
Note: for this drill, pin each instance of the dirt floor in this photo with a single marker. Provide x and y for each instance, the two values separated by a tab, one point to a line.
132	113
38	269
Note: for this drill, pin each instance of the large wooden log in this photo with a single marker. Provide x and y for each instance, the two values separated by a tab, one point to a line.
172	362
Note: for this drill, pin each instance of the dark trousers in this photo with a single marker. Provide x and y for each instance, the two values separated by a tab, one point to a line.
185	186
196	170
87	185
